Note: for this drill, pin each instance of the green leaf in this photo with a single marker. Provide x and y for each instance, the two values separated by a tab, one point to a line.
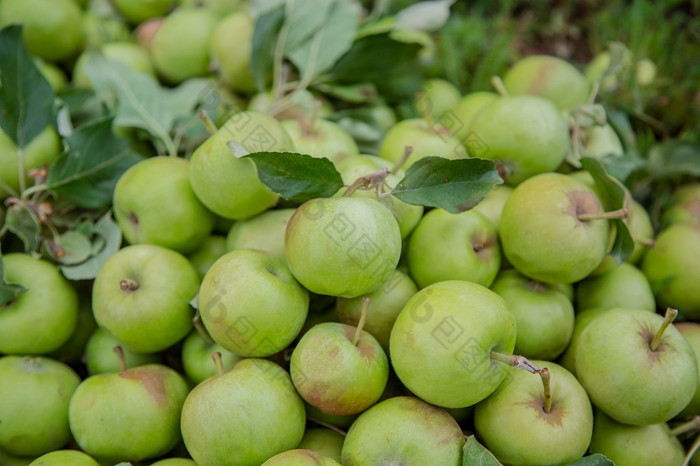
74	248
8	291
304	19
21	221
475	454
267	27
593	460
105	243
320	51
26	97
298	177
613	197
356	93
622	167
452	185
87	173
674	159
424	16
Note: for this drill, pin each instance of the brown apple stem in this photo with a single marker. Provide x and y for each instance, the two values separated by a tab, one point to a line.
199	326
327	425
367	181
613	214
693	448
497	84
120	355
689	426
216	356
668	318
365	308
408	150
546	378
128	284
515	360
204	116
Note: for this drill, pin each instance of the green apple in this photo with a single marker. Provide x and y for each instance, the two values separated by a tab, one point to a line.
323	441
424	139
227	185
146	31
492	205
544	316
342	246
549	77
64	458
175	462
52	28
251	304
196	357
321	138
673	269
459	118
536	142
74	347
255	411
53	74
583	318
300	457
436	97
623	286
691	332
142	294
301	104
34	397
234	62
387	302
356	166
264	232
684	206
641	229
180	45
636	368
520	428
625	445
100	357
338	370
208	252
138	11
403	430
128	416
599	141
42	150
8	460
154	203
132	55
343	422
550	230
442	340
42	318
446	246
100	29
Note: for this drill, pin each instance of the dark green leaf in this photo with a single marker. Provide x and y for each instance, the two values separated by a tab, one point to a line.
267	27
475	454
593	460
26	97
21	221
613	197
452	185
674	159
105	243
620	122
298	177
8	291
622	167
86	174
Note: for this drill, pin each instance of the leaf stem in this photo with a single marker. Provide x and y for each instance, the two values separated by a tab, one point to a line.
204	116
689	426
20	168
407	151
693	448
360	325
668	318
515	360
611	215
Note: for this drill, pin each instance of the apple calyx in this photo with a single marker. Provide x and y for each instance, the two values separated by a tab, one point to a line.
668	318
611	215
216	356
407	151
358	330
522	362
199	326
210	125
373	180
120	355
129	284
500	87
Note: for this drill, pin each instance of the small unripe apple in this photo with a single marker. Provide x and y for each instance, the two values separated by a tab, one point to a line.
437	96
64	458
234	62
424	139
321	138
138	11
42	150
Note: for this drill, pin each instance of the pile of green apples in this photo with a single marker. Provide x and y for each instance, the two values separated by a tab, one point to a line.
235	326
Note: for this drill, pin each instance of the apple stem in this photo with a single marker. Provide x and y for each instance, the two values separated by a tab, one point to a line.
120	355
199	326
216	356
515	360
693	448
367	181
327	425
408	150
668	318
546	378
613	214
497	83
689	426
594	92
365	308
204	116
128	284
646	242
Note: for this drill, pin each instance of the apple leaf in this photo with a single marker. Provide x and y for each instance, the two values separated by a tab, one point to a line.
267	27
624	166
8	291
593	460
298	177
452	185
304	19
673	159
106	238
475	454
424	16
26	97
87	173
21	221
613	197
71	247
